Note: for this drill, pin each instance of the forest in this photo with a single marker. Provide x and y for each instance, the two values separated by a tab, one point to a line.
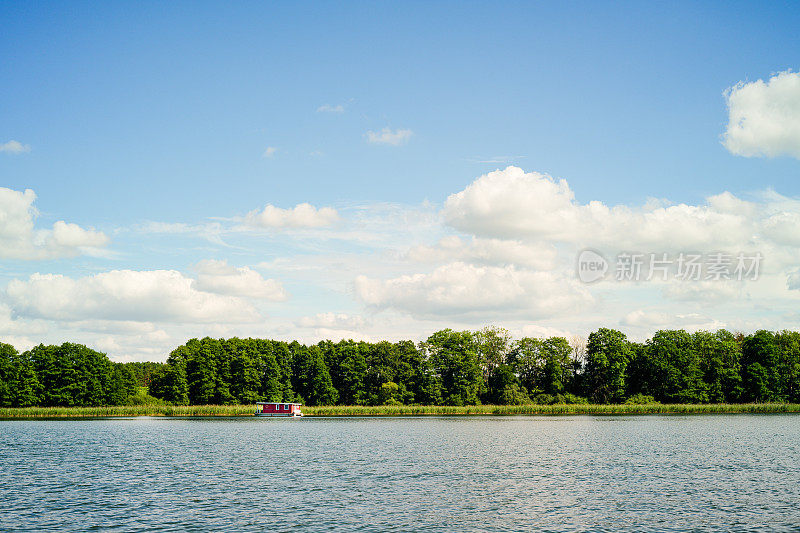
454	368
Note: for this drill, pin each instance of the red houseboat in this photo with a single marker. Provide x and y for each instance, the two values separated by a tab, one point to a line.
278	409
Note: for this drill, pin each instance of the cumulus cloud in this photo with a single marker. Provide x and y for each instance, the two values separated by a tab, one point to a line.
704	292
19	239
145	296
793	280
221	278
387	136
541	332
513	204
486	251
332	321
655	320
327	108
463	289
14	147
302	215
764	117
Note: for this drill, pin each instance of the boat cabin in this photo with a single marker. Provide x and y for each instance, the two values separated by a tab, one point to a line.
278	409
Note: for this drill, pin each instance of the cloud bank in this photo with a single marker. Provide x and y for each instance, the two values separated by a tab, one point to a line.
144	296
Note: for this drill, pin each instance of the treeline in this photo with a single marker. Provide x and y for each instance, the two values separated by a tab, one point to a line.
70	375
449	368
488	366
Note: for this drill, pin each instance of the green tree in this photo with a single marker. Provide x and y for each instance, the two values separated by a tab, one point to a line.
760	359
720	364
8	356
789	365
313	381
677	374
388	394
121	384
201	370
607	356
505	387
492	346
348	368
454	363
24	385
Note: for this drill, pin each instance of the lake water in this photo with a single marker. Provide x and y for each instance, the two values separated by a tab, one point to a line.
654	473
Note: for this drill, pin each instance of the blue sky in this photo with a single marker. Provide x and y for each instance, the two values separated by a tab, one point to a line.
161	126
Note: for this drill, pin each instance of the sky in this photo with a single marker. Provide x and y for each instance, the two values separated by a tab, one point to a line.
381	170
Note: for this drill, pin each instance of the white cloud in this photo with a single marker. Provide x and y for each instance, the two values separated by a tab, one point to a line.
463	289
764	117
387	136
14	147
332	321
221	278
486	251
655	320
270	151
69	235
11	325
19	239
512	204
127	295
327	108
541	332
704	292
301	216
793	280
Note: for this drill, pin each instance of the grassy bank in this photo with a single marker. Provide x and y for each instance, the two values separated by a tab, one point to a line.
397	410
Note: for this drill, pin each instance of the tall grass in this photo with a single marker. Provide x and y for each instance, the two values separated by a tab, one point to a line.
398	410
127	410
557	409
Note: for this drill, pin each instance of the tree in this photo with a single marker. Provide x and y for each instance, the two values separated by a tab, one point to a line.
677	376
201	370
607	356
492	345
121	385
24	385
170	383
454	363
244	369
8	355
348	368
789	365
760	358
720	364
505	387
528	360
312	379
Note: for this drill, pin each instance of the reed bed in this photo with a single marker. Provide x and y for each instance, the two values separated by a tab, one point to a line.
557	409
396	410
127	411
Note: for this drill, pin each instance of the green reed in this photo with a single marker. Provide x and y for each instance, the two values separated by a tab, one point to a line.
396	410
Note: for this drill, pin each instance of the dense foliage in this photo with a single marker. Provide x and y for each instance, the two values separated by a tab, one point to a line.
454	368
66	375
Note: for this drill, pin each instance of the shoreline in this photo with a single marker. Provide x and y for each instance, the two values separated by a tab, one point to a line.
360	411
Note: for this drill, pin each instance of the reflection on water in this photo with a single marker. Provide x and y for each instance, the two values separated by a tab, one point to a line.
652	473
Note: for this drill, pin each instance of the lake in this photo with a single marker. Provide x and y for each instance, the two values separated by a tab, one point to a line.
652	473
